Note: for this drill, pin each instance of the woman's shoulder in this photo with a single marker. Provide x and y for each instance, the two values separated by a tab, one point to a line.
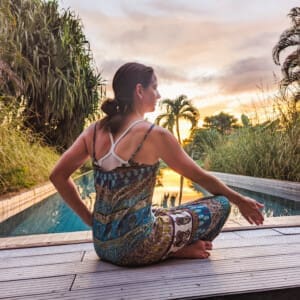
89	132
160	131
90	129
155	129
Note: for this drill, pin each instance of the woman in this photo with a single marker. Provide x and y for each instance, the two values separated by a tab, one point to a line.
125	150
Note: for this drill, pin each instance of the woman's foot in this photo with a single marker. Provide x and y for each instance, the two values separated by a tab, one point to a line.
196	250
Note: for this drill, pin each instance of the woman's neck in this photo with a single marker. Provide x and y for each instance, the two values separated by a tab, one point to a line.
135	116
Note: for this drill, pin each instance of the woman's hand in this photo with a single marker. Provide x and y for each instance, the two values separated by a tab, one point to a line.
250	210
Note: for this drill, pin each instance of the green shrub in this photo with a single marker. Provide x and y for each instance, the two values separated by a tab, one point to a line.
269	152
24	160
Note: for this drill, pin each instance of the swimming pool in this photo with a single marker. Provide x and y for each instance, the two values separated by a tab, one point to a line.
52	215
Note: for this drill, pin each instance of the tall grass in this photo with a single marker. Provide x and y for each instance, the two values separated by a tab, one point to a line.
24	160
261	153
270	149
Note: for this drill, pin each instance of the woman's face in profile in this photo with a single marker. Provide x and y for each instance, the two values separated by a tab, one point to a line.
151	95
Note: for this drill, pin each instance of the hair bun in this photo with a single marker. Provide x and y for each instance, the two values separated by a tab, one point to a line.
110	107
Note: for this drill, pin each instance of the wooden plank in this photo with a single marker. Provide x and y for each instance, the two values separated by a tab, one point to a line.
98	266
176	272
89	246
36	260
220	243
265	250
269	240
224	284
46	250
19	273
35	286
237	252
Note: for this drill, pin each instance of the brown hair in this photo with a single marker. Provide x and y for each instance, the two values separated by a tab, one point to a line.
124	83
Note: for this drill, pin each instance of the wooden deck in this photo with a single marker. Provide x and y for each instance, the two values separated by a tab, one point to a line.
244	261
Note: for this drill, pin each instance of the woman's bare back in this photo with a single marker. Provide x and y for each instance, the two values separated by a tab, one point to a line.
125	144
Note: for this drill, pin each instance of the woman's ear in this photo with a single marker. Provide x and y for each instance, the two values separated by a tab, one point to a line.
139	90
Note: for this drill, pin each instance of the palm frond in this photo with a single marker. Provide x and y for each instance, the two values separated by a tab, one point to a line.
160	118
191	118
293	77
291	62
290	37
294	14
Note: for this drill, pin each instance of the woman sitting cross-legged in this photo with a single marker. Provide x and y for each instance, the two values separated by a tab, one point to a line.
126	150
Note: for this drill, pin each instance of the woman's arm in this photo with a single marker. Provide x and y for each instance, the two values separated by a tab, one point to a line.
69	162
176	158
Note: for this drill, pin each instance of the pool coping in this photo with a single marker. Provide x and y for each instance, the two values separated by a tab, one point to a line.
274	187
66	238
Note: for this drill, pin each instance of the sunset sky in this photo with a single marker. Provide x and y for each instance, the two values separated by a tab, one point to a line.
217	52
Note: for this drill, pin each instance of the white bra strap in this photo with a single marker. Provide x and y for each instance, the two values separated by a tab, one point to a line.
125	132
111	139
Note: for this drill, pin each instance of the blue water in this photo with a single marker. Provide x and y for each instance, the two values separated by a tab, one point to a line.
53	215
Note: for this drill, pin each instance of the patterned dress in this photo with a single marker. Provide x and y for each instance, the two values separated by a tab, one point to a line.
128	231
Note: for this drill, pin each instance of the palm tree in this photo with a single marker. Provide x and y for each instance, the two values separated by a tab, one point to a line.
222	122
290	67
177	109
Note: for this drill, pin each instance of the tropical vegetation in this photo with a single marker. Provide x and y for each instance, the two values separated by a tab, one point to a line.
290	67
47	67
48	88
25	160
222	122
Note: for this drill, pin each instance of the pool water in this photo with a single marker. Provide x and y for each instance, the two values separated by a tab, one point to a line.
53	215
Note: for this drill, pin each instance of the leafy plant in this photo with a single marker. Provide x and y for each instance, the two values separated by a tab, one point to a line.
290	67
222	122
48	66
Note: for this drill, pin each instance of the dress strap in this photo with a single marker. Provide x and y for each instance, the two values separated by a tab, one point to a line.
94	141
142	142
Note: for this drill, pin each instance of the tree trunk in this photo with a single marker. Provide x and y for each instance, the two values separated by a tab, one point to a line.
181	177
180	189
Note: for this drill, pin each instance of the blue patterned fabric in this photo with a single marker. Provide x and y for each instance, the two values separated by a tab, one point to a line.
122	211
128	231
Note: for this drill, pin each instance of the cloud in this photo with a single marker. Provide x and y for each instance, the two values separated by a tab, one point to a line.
185	8
246	75
258	41
211	51
109	67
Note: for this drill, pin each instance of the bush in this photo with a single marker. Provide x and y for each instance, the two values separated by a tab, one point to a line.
269	152
24	160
